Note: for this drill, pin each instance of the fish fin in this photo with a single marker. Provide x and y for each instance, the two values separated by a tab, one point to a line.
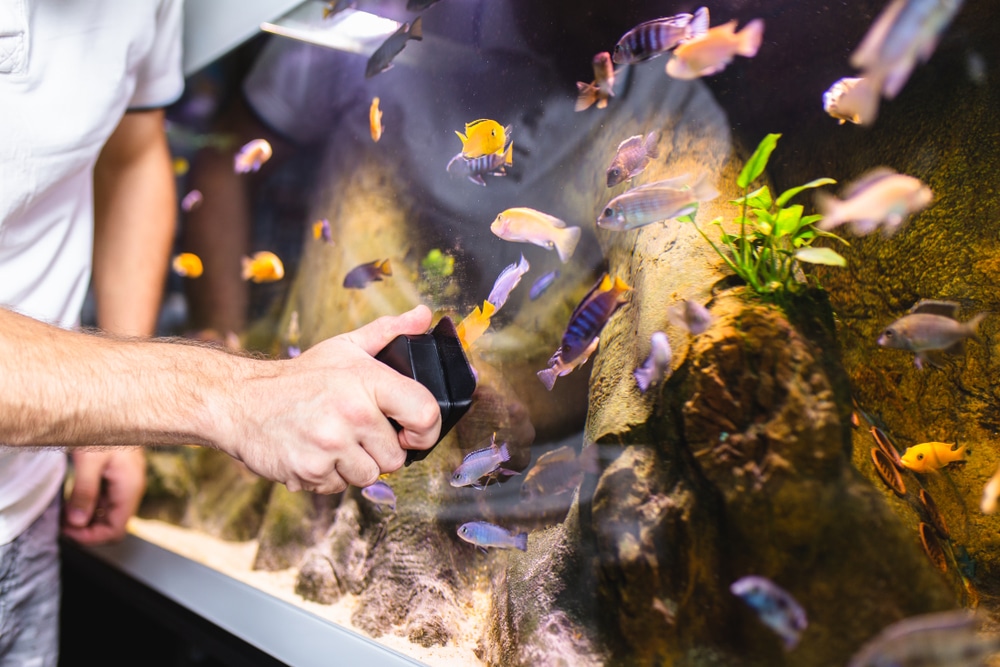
602	103
548	377
586	97
866	56
478	179
678	69
505	471
567	243
702	189
830	208
675	182
650	147
504	453
416	30
488	309
973	324
508	157
562	454
935	307
643	377
521	541
866	180
384	267
247	270
621	286
750	38
462	137
699	23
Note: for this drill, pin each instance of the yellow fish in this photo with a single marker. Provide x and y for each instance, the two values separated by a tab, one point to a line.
932	456
375	120
475	325
526	225
187	265
180	166
709	53
483	137
263	267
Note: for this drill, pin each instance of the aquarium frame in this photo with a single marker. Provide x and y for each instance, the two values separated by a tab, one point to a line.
276	627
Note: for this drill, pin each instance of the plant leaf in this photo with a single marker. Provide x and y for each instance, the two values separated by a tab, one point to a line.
831	235
759	198
809	219
686	218
788	194
826	256
758	161
787	221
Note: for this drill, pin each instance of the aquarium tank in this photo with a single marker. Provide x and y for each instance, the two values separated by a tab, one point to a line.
723	278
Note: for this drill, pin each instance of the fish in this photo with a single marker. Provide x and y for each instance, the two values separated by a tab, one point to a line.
375	120
542	283
880	198
932	456
486	462
654	369
381	494
603	86
775	607
252	156
943	639
180	166
482	137
631	158
991	494
191	201
907	31
709	53
590	316
187	265
361	276
931	325
655	202
338	6
530	226
559	471
506	282
484	535
690	315
321	231
475	324
888	472
263	267
850	99
382	59
493	164
558	368
654	38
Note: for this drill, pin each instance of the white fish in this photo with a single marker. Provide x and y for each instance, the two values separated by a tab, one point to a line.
709	53
852	99
691	316
191	201
655	202
880	198
944	639
654	369
558	368
775	607
991	494
506	282
530	226
253	154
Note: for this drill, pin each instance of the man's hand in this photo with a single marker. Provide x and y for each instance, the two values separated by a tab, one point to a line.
107	488
319	422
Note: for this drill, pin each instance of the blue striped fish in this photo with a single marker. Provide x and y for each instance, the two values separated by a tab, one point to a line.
590	316
492	164
485	535
654	38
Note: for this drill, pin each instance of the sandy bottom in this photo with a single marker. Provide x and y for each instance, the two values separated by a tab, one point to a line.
235	559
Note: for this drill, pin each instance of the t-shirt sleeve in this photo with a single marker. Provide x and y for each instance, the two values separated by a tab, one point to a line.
160	79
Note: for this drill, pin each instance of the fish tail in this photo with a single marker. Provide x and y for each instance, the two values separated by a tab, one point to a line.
972	326
521	541
703	190
829	208
602	102
417	29
548	377
384	267
566	243
247	270
750	38
650	147
586	97
508	155
643	378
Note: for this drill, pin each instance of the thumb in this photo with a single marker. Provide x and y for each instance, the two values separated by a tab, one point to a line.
376	335
88	468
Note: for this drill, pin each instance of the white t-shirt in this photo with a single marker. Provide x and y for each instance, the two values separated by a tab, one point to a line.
68	72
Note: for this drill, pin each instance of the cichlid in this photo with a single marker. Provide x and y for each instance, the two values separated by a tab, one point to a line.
475	325
542	284
263	267
364	275
709	53
187	265
494	164
654	38
603	86
655	202
253	154
931	325
590	316
558	368
530	226
774	606
932	456
690	315
506	282
559	471
991	494
375	120
191	201
485	462
321	231
381	494
482	137
944	639
631	158
654	369
850	99
485	535
880	198
382	59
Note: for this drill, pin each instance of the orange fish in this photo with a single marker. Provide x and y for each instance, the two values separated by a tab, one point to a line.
263	267
321	231
187	265
252	156
710	53
375	120
603	86
475	325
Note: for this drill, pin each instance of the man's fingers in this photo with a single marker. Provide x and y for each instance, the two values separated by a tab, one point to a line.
376	335
412	406
382	444
88	468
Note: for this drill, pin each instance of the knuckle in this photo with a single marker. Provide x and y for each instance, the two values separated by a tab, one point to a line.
427	415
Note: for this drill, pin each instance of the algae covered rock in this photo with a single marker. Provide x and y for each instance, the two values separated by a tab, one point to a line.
292	523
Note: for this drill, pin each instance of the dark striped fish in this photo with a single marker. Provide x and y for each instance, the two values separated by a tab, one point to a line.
492	164
654	38
591	315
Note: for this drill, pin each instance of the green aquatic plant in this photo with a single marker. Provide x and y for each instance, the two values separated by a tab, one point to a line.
775	238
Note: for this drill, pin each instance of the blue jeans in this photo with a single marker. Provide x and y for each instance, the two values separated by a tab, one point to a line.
29	595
